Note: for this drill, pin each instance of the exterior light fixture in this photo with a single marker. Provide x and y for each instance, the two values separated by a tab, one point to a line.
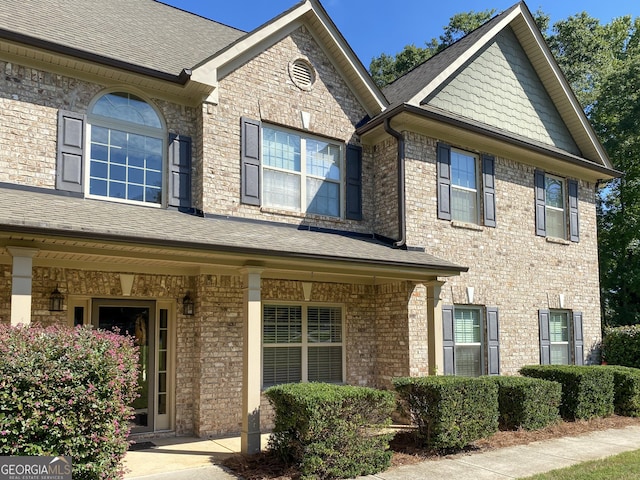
56	300
187	305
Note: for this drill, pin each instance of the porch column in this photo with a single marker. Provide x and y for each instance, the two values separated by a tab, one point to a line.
21	280
252	361
434	320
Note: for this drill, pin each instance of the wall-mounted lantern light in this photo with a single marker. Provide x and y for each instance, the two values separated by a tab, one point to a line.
56	301
187	304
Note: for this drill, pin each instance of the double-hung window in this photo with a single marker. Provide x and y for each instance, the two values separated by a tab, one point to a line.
556	207
302	344
561	337
468	342
466	186
301	173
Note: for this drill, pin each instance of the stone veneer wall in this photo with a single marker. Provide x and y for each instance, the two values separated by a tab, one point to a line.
261	89
509	266
30	100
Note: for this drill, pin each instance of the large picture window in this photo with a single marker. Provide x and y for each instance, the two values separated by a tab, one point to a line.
301	344
301	173
126	149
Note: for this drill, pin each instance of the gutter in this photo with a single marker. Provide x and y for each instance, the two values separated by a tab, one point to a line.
402	211
181	79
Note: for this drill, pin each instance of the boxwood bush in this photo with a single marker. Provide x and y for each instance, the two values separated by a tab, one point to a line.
450	412
587	391
67	392
621	346
527	403
331	431
626	381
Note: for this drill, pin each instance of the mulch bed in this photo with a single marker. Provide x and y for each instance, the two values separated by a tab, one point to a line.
266	466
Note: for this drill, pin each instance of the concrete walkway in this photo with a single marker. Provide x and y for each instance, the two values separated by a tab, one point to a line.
194	459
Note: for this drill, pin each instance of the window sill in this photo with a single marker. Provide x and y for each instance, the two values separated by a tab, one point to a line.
466	226
557	241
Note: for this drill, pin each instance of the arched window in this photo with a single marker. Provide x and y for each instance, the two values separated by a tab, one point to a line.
126	149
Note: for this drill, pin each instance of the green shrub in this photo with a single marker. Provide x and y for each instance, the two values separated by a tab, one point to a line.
450	412
331	431
626	381
527	403
587	391
621	346
66	392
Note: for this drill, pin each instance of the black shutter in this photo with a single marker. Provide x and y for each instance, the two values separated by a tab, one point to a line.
545	337
179	171
493	341
448	340
70	150
489	190
574	224
354	182
444	181
250	161
541	222
578	339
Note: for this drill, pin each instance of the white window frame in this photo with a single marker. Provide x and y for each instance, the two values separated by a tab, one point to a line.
565	344
304	344
302	174
480	345
476	191
548	207
116	124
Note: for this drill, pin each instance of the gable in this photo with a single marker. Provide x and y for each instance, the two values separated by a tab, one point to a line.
500	87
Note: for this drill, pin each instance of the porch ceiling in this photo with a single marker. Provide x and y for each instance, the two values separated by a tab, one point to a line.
92	234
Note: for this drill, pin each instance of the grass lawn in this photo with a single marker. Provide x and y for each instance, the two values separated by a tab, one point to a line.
625	466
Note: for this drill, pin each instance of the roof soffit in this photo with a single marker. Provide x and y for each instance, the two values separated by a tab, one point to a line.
523	25
310	14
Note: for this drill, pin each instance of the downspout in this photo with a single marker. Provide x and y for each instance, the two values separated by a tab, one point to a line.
402	217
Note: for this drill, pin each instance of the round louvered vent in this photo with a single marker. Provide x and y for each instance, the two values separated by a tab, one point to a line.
302	74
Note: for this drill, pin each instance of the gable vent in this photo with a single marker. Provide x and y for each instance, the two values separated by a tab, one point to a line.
302	74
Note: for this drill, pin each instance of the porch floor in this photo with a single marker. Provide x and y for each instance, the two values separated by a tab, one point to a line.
180	453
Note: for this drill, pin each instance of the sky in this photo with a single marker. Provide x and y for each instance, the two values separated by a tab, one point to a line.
372	27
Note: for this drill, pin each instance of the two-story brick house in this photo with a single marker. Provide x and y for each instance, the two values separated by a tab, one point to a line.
256	211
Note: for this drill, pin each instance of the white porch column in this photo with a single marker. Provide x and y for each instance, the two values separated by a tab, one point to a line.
252	361
21	280
434	320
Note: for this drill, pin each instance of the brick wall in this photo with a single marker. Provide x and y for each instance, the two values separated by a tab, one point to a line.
509	266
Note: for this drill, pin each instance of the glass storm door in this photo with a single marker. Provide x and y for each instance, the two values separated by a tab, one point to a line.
136	319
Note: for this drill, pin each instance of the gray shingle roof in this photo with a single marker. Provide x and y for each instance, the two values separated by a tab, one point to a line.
146	33
57	215
407	86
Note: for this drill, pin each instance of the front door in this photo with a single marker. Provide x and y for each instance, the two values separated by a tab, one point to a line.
136	319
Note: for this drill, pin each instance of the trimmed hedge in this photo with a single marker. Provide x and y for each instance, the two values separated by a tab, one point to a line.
450	412
621	346
331	431
626	390
527	403
67	392
587	391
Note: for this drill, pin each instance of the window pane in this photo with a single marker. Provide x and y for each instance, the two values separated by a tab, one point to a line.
323	198
282	324
554	195
281	149
281	189
560	354
281	365
323	159
463	170
126	107
464	205
467	326
468	360
325	364
324	324
558	327
555	223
